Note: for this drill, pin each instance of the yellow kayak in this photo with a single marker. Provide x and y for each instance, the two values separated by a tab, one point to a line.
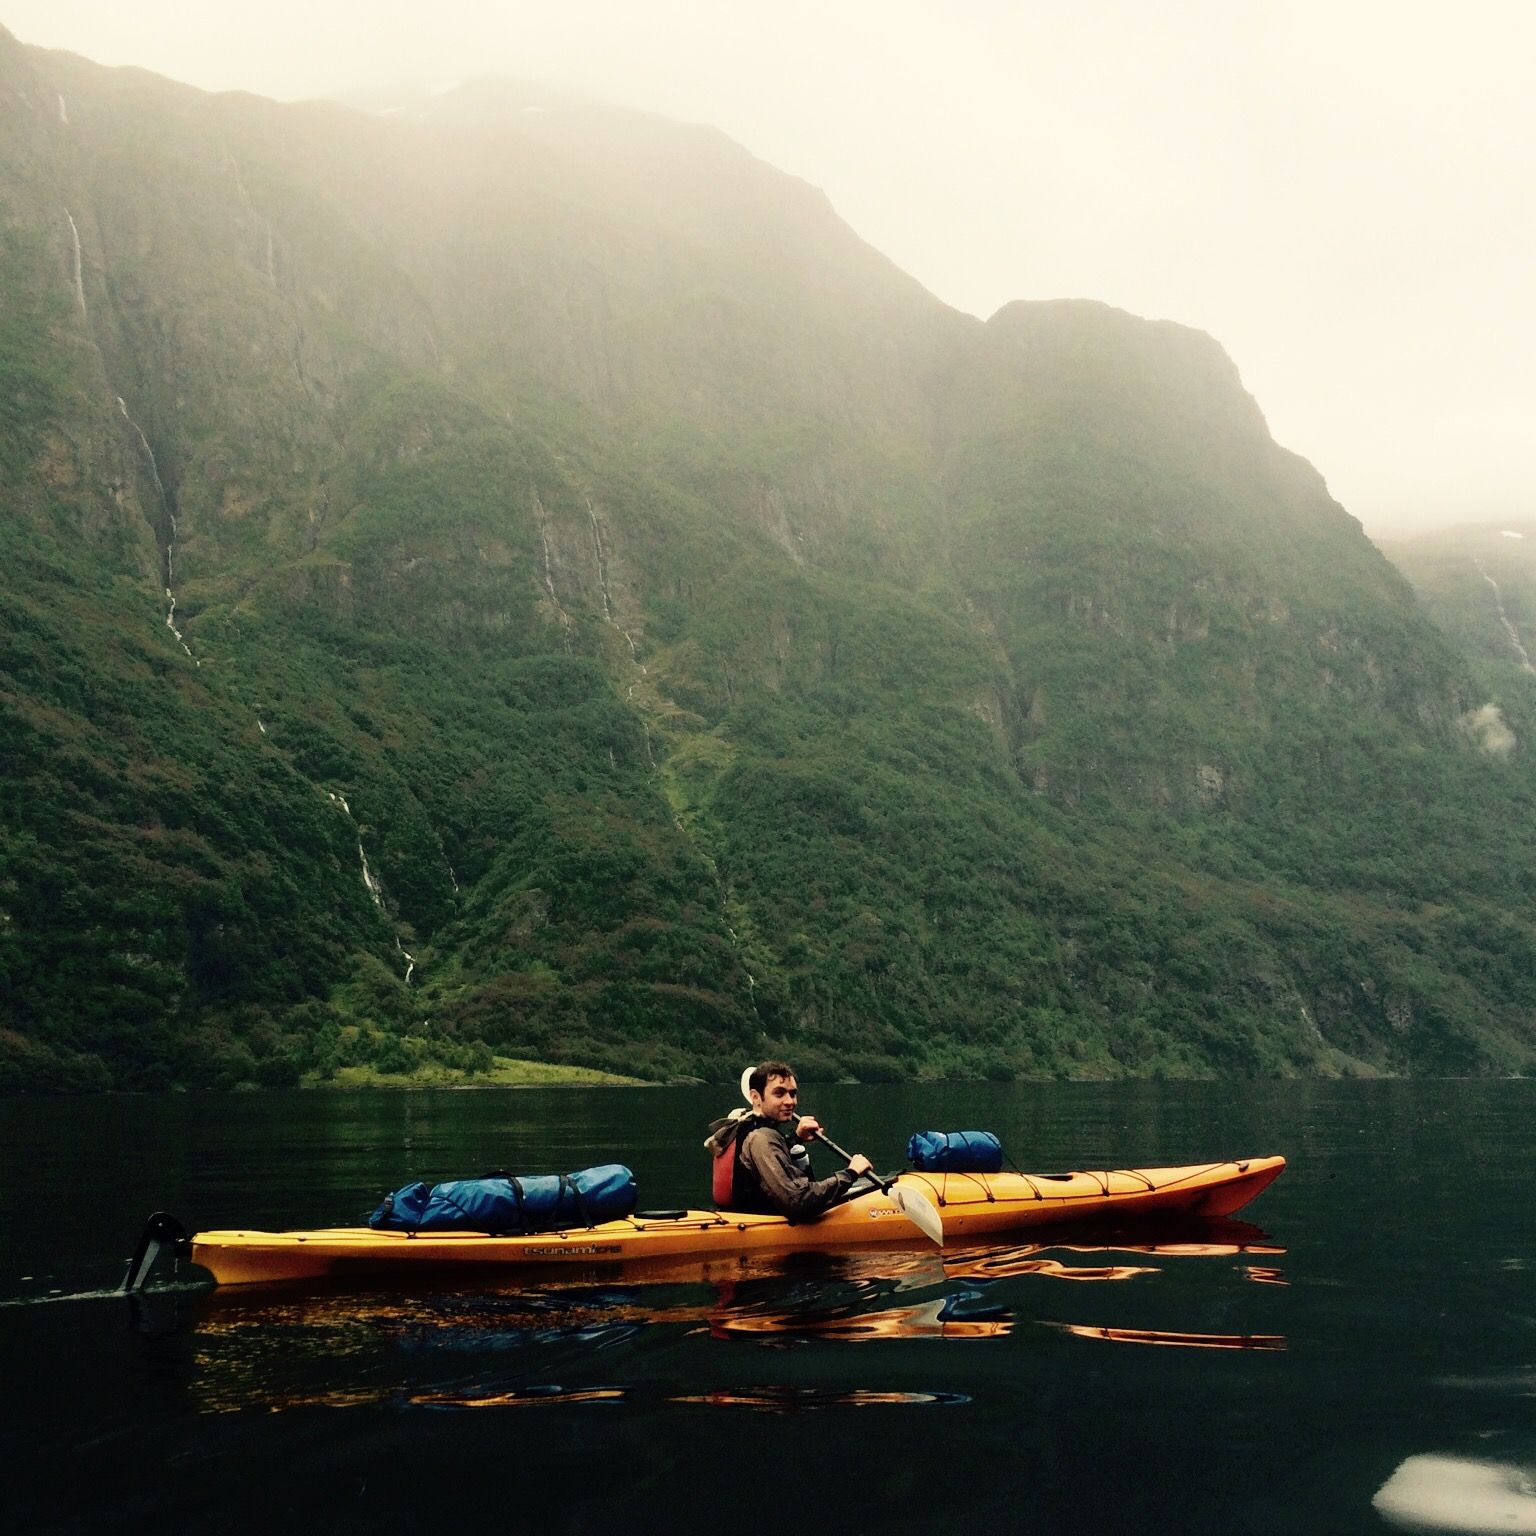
972	1206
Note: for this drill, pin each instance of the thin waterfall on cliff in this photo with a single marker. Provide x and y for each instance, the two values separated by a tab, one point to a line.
169	514
1504	619
375	890
74	233
541	517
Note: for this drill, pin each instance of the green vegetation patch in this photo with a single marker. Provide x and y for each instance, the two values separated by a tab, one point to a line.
504	1072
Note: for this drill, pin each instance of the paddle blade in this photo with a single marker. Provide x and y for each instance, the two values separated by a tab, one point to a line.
160	1232
918	1209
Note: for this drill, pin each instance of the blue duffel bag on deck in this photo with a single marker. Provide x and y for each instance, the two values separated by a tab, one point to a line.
955	1152
506	1206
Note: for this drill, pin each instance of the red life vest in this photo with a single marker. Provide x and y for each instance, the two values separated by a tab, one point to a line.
723	1173
732	1185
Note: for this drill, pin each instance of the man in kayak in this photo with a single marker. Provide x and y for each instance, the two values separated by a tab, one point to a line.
768	1176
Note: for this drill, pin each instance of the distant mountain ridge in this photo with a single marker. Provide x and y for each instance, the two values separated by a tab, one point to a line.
490	580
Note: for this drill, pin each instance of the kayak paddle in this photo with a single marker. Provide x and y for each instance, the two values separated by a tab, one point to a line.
916	1207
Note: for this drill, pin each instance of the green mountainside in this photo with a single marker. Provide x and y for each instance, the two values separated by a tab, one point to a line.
1478	583
510	577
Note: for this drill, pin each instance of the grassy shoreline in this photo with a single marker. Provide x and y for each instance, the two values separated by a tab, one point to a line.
506	1072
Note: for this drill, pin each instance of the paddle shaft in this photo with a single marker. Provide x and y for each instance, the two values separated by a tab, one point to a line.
847	1157
910	1203
832	1146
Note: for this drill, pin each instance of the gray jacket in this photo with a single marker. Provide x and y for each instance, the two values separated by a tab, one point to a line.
788	1189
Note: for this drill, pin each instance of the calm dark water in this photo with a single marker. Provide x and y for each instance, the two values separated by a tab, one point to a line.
1370	1326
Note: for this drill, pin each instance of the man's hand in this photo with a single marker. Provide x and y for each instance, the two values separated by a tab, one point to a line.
858	1164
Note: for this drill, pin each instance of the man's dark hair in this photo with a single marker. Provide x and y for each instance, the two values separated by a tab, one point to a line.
760	1075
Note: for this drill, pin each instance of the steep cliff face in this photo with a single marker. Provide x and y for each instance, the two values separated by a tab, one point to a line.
1152	560
1478	582
514	571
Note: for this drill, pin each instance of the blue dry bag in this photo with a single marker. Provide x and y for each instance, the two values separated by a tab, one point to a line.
955	1152
510	1207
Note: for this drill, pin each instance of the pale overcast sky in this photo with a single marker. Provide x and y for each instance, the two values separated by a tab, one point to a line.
1340	191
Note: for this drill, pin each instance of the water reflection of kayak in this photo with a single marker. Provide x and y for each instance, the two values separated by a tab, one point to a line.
546	1338
972	1205
483	1338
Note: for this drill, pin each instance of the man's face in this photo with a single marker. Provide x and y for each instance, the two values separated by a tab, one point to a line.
779	1100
